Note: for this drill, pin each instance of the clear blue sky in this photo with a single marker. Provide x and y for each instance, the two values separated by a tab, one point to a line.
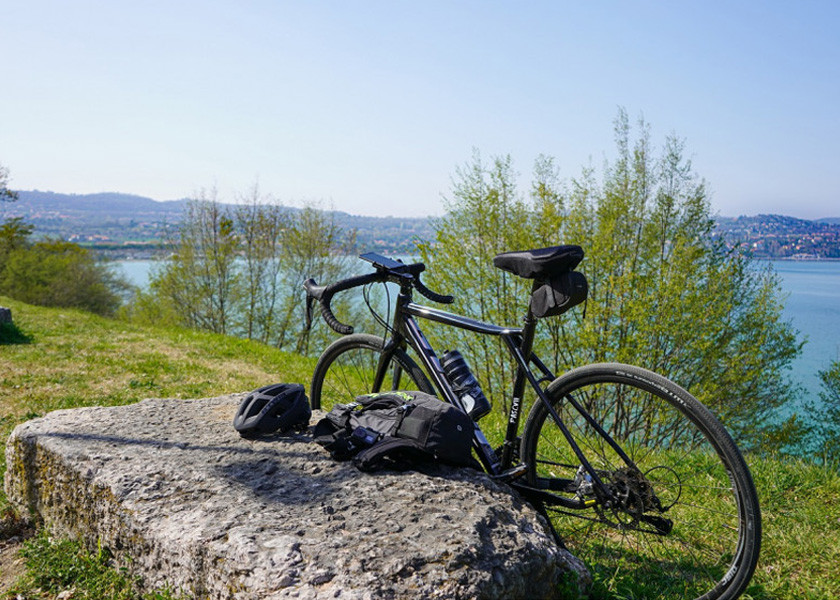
371	105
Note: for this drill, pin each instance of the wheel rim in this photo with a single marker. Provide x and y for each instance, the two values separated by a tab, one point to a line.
677	539
352	372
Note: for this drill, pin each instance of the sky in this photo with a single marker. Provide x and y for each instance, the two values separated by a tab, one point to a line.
370	107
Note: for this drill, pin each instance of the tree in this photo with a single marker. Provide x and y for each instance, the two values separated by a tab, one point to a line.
829	429
200	280
313	246
485	216
6	195
663	294
260	223
52	272
59	273
239	269
14	234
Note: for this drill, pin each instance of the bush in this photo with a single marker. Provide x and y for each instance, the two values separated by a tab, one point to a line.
59	273
663	293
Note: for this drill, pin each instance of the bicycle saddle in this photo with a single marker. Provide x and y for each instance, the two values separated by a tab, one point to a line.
540	263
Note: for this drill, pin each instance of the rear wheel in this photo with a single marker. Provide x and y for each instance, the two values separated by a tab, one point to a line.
682	520
347	369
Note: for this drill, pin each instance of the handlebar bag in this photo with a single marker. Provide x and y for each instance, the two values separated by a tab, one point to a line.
397	430
554	296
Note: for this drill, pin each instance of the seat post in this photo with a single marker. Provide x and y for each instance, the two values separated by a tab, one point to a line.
529	329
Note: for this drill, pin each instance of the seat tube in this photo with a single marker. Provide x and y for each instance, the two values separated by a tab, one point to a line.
514	416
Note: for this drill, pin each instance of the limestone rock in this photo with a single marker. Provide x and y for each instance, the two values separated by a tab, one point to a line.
182	501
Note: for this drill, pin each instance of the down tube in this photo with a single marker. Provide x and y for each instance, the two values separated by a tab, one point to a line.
427	355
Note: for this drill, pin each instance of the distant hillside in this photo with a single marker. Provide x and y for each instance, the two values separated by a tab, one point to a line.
777	236
116	219
95	218
111	220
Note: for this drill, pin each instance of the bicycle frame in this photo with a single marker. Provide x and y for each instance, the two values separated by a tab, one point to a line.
557	479
519	342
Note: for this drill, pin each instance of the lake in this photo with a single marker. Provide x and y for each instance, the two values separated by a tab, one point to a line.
813	306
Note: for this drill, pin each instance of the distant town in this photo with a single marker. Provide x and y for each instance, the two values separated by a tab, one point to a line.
780	237
126	226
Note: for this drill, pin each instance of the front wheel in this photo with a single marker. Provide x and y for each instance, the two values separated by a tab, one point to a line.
681	518
348	366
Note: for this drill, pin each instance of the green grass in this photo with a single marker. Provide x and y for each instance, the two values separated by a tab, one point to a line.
59	565
58	358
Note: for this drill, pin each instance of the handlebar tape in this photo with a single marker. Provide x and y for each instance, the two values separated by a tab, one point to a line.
433	296
324	294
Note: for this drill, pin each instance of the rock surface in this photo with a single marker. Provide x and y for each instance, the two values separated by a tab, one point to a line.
182	501
5	315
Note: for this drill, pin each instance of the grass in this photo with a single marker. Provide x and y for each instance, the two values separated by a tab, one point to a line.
58	358
65	567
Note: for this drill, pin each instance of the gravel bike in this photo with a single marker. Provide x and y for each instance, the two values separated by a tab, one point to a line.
633	474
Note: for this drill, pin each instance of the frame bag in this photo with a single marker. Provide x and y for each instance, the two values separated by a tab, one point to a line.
397	430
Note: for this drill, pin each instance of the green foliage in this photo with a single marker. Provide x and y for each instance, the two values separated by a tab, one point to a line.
52	272
662	294
829	423
485	216
198	285
6	195
58	273
239	270
58	565
14	235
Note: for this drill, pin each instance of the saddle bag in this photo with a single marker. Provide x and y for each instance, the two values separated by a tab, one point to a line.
556	295
397	430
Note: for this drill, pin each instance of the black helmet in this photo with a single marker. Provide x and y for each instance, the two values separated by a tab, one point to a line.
276	407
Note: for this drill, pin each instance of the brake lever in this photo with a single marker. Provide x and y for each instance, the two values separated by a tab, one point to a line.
310	301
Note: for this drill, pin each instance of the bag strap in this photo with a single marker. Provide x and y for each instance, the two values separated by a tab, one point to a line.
373	458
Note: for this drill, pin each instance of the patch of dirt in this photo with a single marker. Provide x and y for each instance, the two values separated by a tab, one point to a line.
13	532
11	563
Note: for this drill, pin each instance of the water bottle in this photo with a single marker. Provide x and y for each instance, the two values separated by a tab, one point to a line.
464	384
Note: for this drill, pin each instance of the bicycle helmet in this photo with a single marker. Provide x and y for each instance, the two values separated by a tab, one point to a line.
276	407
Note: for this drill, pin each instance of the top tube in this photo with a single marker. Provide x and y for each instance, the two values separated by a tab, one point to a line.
447	318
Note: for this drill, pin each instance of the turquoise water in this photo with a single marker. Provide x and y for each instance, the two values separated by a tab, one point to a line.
813	306
136	271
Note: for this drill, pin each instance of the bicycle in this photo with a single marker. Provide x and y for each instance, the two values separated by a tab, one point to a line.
633	474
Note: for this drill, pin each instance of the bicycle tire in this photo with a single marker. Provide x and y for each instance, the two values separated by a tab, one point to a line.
703	538
346	369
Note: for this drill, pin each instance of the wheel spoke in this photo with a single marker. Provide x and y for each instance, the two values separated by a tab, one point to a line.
674	527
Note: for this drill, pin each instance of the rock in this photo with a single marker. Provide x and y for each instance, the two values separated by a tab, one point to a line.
170	488
5	315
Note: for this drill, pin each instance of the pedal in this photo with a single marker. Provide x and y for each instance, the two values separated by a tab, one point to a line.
511	473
